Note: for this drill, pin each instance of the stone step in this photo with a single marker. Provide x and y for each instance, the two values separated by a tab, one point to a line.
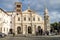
31	38
21	35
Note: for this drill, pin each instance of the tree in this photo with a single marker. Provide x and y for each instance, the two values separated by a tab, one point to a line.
56	26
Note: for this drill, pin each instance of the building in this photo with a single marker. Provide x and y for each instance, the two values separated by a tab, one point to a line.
46	21
25	22
4	21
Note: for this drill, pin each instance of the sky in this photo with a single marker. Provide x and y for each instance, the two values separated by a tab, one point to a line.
38	6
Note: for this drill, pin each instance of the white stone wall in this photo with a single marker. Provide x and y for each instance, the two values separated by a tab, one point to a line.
5	22
28	23
13	17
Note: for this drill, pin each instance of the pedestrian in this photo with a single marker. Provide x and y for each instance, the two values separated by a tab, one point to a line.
36	32
41	31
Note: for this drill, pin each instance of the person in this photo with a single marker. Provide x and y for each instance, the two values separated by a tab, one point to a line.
41	31
36	32
47	32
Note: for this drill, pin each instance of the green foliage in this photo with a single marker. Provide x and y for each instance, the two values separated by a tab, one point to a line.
56	26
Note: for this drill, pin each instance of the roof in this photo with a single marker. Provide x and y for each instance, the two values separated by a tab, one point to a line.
28	10
3	11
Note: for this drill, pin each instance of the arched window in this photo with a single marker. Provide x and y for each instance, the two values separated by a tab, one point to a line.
18	6
4	29
33	18
24	18
38	19
29	18
18	18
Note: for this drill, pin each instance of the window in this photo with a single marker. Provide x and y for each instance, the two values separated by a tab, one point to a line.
33	18
19	6
4	29
18	18
24	18
17	14
38	19
29	19
18	10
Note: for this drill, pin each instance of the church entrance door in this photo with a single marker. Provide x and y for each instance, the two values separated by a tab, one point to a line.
18	30
40	31
29	30
10	31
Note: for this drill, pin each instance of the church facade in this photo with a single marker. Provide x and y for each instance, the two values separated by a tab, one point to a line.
26	22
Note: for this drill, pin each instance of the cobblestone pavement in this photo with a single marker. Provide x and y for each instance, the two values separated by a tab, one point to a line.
31	38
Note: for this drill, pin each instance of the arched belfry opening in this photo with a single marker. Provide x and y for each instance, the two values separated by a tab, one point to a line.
29	30
18	30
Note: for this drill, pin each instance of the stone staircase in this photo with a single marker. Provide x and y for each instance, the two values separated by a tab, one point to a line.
20	35
29	37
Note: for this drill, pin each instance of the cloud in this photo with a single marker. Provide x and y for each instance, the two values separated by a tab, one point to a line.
36	5
8	4
54	16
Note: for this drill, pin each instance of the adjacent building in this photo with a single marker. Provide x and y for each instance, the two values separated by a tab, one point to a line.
4	21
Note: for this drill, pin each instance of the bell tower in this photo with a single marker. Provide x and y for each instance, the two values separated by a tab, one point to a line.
46	20
18	7
18	10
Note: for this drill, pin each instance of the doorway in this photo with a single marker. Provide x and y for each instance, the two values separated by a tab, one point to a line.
11	31
29	30
18	30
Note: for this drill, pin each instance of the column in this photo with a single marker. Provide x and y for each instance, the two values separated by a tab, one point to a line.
26	31
33	30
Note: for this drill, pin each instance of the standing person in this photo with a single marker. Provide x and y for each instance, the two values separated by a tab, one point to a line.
41	31
36	32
